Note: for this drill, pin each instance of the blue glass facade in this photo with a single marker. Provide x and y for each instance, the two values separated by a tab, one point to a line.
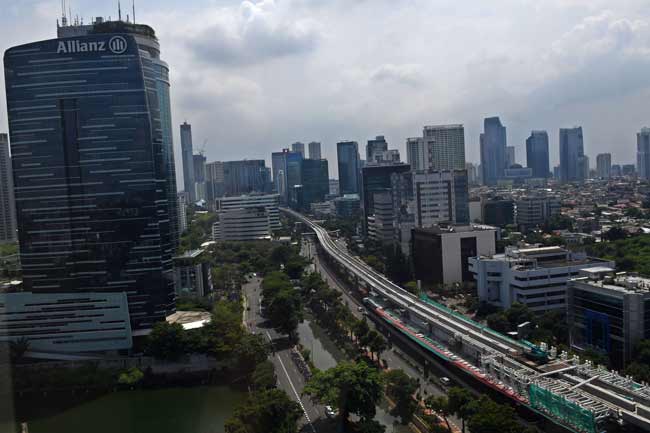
347	153
91	171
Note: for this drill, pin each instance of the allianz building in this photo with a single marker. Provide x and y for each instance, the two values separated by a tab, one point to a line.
92	179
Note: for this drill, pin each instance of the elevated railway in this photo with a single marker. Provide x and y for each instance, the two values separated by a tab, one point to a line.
577	395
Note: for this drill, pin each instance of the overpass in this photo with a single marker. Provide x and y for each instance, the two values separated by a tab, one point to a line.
577	395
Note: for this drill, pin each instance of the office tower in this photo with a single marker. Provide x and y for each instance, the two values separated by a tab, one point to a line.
315	181
493	150
314	150
537	154
7	203
510	156
188	161
286	167
616	170
440	196
278	163
643	153
444	147
628	170
376	179
334	187
472	176
199	176
299	148
375	148
604	165
416	155
181	199
535	209
104	224
347	153
572	163
245	177
583	166
214	182
270	202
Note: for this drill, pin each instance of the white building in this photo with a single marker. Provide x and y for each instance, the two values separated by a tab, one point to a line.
382	220
269	201
440	196
604	165
182	212
536	276
441	147
242	224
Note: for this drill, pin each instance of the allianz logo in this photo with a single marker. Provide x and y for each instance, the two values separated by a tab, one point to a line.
116	45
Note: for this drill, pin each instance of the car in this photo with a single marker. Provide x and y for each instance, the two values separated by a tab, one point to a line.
360	309
329	412
445	380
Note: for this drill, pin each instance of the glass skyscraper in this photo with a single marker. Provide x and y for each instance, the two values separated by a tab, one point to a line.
493	150
537	154
92	167
347	153
572	155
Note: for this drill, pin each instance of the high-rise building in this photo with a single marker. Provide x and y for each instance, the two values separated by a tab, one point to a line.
416	155
377	179
537	154
314	150
534	210
493	150
104	224
270	202
188	161
7	203
572	156
511	158
472	175
375	148
286	172
347	153
334	187
299	148
643	153
199	176
214	182
315	181
440	196
604	165
616	170
245	177
445	147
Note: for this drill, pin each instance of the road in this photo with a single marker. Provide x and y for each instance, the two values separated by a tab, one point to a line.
289	378
395	358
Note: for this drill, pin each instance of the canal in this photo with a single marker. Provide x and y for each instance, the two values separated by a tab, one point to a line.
326	355
202	409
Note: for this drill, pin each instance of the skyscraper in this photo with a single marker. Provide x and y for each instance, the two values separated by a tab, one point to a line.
572	157
537	154
199	176
604	165
643	153
445	147
511	158
493	150
347	153
245	177
315	181
188	161
314	150
299	147
92	194
377	179
7	203
214	182
375	147
416	155
440	196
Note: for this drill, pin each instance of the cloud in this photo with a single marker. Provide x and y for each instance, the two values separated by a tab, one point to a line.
254	33
408	74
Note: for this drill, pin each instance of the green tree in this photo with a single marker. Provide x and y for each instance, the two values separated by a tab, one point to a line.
458	401
225	331
412	287
349	387
263	376
360	329
267	411
251	351
166	341
130	377
370	426
377	345
285	311
440	405
400	387
487	416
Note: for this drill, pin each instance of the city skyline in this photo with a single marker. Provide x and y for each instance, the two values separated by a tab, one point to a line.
222	87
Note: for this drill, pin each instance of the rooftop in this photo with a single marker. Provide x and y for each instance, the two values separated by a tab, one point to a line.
619	282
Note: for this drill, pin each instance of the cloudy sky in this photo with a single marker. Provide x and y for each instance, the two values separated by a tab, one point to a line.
254	76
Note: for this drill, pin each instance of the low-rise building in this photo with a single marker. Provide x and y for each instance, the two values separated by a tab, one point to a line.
347	206
271	202
243	224
440	254
534	276
192	273
609	313
534	210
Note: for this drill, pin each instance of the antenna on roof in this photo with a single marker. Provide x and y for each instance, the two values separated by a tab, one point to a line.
133	3
119	11
64	19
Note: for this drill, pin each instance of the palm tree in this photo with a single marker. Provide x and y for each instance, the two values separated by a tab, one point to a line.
378	344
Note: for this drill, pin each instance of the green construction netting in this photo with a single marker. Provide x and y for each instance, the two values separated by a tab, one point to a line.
558	407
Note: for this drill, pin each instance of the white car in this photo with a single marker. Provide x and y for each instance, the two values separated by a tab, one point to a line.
445	381
329	412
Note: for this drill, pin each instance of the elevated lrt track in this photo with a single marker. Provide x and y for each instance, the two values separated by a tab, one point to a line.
577	395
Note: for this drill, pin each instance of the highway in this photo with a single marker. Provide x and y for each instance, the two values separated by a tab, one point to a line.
592	396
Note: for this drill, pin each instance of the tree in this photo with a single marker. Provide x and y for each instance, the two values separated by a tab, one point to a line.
268	411
360	329
130	377
166	341
458	401
349	387
412	287
251	351
285	311
263	376
378	344
400	387
440	405
224	332
370	426
614	234
487	416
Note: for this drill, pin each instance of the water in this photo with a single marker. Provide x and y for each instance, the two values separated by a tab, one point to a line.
326	355
173	410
